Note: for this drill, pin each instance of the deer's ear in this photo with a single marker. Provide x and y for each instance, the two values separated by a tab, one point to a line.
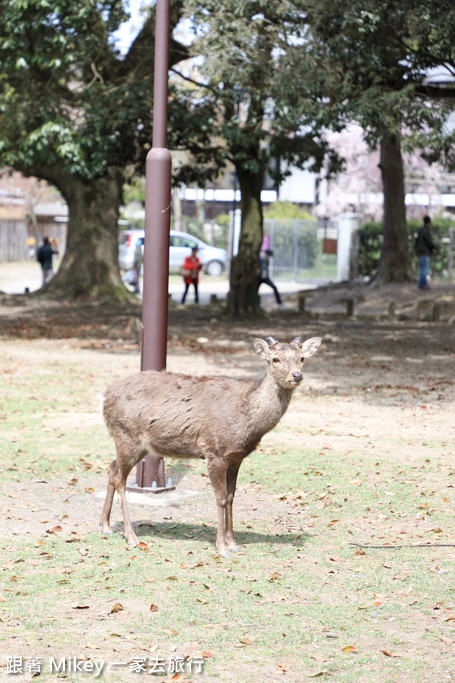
262	348
311	346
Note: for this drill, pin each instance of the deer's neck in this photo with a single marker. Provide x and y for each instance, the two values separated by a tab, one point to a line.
269	403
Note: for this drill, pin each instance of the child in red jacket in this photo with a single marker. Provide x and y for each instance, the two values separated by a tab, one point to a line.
193	266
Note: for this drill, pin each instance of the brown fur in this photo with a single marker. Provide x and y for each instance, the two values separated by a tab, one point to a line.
221	419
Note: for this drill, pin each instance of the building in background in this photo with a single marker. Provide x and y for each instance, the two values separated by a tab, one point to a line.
29	210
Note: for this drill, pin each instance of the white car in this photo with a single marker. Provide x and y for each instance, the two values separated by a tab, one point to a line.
213	260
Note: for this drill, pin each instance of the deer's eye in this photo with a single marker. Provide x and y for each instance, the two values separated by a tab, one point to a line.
302	360
275	360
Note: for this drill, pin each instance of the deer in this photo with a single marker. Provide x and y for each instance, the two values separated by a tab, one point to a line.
218	418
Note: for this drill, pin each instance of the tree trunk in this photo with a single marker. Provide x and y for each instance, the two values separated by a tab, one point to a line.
394	265
243	295
177	209
90	265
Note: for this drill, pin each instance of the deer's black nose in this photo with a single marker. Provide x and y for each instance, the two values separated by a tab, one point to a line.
297	376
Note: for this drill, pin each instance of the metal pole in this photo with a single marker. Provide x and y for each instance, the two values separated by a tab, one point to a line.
157	209
157	225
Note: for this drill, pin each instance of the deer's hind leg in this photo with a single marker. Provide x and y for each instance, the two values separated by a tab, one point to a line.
106	513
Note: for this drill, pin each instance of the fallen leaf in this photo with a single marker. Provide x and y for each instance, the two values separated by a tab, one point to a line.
349	648
275	576
154	608
389	654
318	674
116	608
247	641
143	546
448	641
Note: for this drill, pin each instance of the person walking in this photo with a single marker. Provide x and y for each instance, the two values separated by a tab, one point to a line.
264	262
44	256
425	246
192	265
137	266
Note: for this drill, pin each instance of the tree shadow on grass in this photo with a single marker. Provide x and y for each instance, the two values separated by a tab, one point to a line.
147	531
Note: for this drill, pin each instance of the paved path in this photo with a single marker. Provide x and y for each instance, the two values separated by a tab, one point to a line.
220	287
16	276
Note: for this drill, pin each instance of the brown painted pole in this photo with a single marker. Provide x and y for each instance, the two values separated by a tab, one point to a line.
157	225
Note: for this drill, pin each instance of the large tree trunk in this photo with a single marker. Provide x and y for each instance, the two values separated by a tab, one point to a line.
90	266
394	265
243	295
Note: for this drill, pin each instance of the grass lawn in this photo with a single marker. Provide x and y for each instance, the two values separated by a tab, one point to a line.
300	601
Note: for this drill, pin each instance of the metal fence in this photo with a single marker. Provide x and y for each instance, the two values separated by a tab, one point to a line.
303	250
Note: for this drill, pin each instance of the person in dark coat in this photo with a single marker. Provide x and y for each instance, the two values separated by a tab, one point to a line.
137	265
264	258
425	246
44	255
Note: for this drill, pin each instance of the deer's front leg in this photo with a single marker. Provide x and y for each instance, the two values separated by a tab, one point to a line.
218	478
229	522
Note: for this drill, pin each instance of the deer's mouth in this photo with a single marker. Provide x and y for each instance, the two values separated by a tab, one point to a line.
295	382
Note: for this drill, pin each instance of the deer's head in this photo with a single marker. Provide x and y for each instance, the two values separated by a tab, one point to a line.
286	360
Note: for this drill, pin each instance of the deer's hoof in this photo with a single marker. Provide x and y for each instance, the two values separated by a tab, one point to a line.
225	554
132	540
234	548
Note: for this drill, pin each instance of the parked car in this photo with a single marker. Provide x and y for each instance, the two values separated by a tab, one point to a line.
213	260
